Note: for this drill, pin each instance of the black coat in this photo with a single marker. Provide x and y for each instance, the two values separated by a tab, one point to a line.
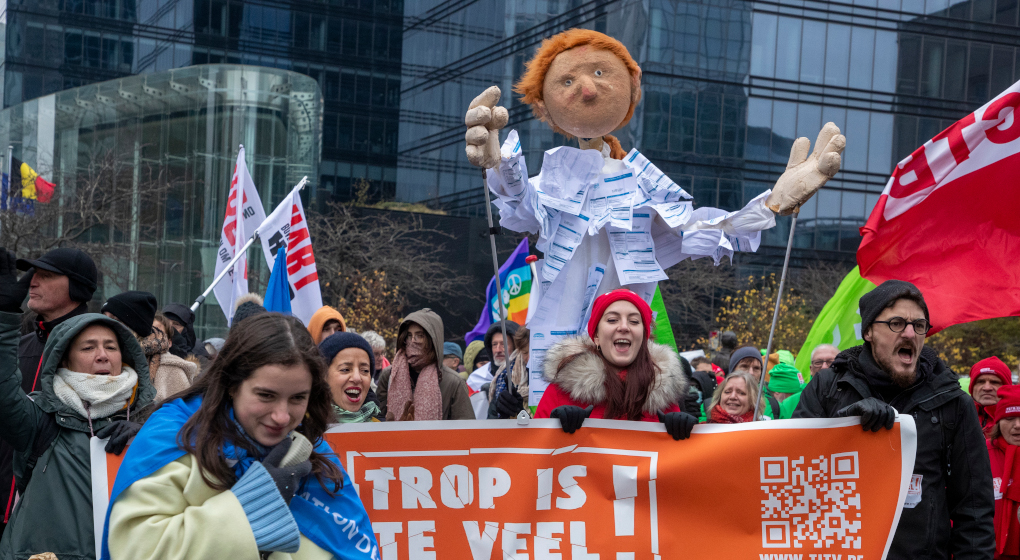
954	517
30	351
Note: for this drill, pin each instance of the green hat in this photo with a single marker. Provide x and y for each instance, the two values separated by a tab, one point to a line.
785	378
786	357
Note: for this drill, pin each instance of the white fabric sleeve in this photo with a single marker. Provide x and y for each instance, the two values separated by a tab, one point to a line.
515	196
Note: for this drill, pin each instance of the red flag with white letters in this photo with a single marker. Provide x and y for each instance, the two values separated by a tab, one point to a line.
948	220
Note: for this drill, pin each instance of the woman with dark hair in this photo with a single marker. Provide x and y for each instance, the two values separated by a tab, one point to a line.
417	386
616	372
222	471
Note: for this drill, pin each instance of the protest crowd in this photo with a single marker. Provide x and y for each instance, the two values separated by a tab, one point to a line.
137	364
219	437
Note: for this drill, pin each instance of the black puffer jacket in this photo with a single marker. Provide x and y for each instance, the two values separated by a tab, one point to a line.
954	517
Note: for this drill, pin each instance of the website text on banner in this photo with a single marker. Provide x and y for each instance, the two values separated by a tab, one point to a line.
625	490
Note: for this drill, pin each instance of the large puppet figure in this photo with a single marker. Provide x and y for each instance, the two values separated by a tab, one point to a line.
607	218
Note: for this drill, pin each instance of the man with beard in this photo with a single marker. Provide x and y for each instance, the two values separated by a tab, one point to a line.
478	381
892	371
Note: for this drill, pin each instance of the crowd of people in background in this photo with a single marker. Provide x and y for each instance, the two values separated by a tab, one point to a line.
136	371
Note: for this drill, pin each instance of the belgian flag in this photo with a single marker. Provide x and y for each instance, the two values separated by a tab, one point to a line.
33	187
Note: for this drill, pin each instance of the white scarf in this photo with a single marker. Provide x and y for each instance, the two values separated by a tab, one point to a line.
105	394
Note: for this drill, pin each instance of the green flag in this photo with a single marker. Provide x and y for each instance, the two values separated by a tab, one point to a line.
839	323
663	333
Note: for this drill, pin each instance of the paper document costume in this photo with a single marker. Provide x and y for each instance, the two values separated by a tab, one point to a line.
607	218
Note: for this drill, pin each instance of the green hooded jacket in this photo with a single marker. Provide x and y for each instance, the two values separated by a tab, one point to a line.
55	512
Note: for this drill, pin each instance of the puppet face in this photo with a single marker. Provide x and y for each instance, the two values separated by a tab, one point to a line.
587	92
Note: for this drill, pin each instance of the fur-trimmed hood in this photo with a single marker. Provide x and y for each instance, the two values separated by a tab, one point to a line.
574	365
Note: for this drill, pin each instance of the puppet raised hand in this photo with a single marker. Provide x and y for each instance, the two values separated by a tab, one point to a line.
806	174
484	120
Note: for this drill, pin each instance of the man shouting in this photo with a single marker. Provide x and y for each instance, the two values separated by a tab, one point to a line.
949	509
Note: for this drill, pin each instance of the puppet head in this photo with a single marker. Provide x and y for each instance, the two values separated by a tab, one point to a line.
582	83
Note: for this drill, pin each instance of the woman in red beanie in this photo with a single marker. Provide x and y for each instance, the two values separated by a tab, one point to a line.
1002	453
616	372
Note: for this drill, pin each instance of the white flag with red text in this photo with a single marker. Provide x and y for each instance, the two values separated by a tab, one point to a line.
947	219
287	227
239	224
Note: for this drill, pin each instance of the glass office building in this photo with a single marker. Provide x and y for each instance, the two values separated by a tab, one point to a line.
728	85
176	132
352	48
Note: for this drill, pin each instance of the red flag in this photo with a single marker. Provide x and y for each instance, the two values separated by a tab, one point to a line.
43	189
949	218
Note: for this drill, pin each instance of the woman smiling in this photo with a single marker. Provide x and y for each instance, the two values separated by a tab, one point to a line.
733	400
351	363
616	372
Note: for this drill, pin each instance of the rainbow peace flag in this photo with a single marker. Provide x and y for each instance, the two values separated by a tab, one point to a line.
515	278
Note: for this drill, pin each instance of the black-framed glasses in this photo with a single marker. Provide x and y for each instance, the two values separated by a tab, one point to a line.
899	324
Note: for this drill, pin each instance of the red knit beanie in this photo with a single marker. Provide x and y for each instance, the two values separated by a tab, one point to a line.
1009	402
605	300
993	366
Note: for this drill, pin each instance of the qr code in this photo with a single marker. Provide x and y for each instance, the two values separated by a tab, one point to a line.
814	502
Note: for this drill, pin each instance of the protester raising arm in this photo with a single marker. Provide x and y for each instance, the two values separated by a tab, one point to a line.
18	421
93	377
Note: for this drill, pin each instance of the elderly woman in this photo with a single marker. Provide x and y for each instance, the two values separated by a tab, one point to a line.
1002	453
733	400
616	372
350	363
93	381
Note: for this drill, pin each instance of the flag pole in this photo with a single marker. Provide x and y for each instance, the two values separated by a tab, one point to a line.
230	266
495	266
775	320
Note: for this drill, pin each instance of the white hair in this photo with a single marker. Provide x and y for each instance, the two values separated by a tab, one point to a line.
374	339
823	346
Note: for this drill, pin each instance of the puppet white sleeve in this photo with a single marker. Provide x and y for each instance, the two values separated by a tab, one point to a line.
705	232
716	233
515	197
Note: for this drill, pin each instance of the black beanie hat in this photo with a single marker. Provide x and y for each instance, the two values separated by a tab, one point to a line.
245	310
885	295
135	309
337	342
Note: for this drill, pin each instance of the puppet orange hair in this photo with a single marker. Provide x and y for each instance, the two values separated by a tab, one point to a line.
532	82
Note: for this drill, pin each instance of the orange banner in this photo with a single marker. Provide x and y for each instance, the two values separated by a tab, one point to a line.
781	490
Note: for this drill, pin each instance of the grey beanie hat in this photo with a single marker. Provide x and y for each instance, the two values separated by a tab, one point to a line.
741	353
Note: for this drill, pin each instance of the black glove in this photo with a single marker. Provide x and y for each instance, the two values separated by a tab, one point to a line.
12	290
874	414
119	432
692	402
509	403
571	417
287	479
678	424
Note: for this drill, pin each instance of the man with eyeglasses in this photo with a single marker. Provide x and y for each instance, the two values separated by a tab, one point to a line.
952	515
822	357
